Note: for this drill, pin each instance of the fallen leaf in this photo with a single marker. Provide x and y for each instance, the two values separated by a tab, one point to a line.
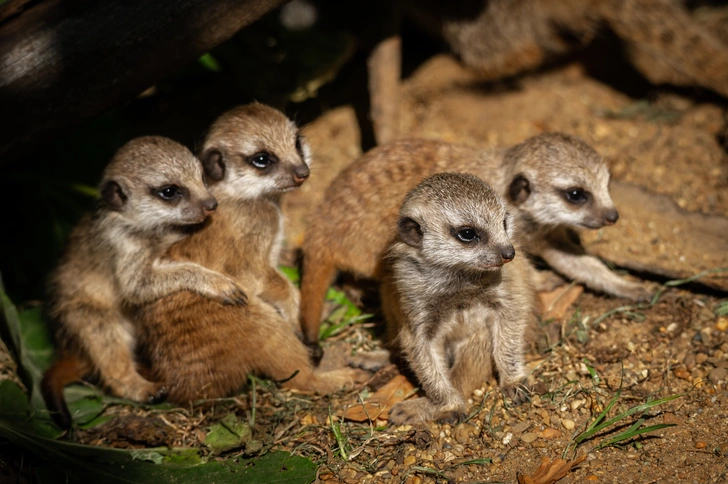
554	304
549	471
377	406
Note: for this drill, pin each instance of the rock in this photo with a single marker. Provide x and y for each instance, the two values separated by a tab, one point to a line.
568	424
464	432
409	460
681	373
529	437
549	433
717	375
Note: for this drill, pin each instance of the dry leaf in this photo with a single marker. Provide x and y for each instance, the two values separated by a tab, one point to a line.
549	471
377	406
555	303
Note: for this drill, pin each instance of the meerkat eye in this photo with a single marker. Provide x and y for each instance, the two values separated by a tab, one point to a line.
169	192
505	224
262	160
577	196
466	234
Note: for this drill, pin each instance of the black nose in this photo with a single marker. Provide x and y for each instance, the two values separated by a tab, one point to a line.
301	173
209	204
611	216
507	253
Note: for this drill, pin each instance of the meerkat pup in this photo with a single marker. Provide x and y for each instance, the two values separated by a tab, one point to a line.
199	348
555	183
152	191
456	295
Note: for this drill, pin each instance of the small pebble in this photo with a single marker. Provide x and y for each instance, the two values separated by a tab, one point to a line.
722	323
717	374
700	444
568	424
681	373
700	358
507	438
409	460
528	437
549	433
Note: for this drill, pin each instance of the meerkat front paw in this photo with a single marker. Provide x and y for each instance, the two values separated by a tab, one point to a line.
228	292
145	391
518	393
639	293
370	360
412	411
452	417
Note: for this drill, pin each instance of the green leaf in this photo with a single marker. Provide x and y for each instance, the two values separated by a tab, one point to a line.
85	403
209	62
13	401
230	433
291	273
74	463
31	345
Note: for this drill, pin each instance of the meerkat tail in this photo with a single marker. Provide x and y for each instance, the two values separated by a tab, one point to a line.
66	370
318	273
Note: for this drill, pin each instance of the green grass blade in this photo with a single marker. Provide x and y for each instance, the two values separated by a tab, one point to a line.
680	282
638	408
590	431
630	433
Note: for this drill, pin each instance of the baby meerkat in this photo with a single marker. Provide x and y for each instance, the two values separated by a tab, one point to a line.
456	294
152	192
199	348
554	182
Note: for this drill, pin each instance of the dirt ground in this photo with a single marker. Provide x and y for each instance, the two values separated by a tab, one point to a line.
666	157
579	360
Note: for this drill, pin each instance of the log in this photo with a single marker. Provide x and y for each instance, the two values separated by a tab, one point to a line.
62	62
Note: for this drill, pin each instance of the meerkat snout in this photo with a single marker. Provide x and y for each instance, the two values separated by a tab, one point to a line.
611	216
507	253
300	173
209	205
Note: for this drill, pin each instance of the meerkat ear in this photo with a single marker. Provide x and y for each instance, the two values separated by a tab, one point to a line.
519	190
409	231
213	164
113	195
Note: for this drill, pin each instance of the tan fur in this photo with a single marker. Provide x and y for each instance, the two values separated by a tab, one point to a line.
456	303
202	349
115	256
352	227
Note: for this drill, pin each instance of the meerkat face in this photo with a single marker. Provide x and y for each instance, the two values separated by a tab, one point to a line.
154	183
254	151
457	222
560	180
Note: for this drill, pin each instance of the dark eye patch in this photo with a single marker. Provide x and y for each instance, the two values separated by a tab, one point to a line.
170	193
466	235
262	160
576	195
